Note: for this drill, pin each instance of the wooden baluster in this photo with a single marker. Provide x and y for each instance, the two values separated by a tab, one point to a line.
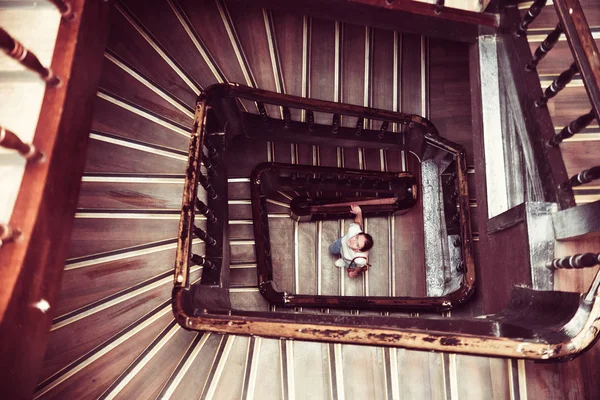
212	150
439	6
287	118
532	13
65	9
210	190
8	234
557	85
574	127
384	127
212	171
359	126
199	260
202	235
16	50
11	141
545	47
310	116
336	123
263	112
204	210
578	261
584	177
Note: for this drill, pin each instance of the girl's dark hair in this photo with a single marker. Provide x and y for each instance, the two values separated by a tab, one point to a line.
368	242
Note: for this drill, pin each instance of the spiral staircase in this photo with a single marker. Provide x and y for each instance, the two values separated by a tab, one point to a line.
113	334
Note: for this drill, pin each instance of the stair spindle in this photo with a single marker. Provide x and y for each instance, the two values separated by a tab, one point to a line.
532	13
359	126
573	128
584	177
65	9
8	234
15	50
336	123
202	235
11	141
384	127
210	190
577	261
557	85
204	210
263	112
439	6
545	47
310	116
213	153
210	168
203	262
287	118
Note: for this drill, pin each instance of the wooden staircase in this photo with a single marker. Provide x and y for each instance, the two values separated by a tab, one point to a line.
113	333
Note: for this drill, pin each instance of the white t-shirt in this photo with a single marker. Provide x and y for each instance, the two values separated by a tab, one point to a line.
347	252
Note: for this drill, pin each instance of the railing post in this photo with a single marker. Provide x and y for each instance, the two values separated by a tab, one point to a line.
204	210
15	50
203	262
584	177
574	127
202	235
557	85
11	141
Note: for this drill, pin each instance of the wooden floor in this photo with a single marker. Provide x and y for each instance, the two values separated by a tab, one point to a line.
114	332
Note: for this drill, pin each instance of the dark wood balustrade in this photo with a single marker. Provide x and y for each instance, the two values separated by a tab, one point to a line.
573	128
557	85
10	140
585	177
545	47
534	10
14	49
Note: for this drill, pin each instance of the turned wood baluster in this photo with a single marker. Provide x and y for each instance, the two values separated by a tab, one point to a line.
310	116
574	127
263	112
359	126
212	171
584	177
11	141
202	235
8	234
545	47
204	210
557	85
439	6
210	190
585	260
532	13
384	127
287	118
199	260
15	50
65	9
336	123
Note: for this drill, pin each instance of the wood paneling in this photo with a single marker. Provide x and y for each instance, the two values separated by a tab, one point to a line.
207	21
148	382
111	118
160	19
95	378
98	235
108	157
118	82
127	43
130	196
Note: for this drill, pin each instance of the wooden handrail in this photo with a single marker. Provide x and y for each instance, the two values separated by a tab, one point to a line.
583	47
14	49
31	267
11	141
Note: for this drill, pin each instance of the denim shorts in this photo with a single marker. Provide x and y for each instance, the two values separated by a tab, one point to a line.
336	249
